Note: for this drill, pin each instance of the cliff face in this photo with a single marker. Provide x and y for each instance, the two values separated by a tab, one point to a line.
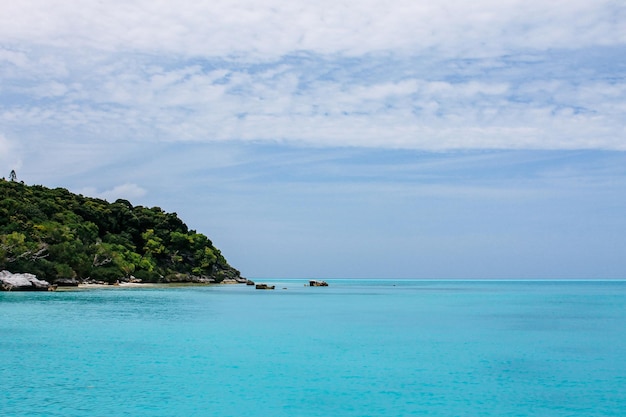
58	235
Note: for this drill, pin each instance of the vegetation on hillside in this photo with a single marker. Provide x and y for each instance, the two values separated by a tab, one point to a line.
58	235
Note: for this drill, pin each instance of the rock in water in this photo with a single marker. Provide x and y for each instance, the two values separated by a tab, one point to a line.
21	282
264	287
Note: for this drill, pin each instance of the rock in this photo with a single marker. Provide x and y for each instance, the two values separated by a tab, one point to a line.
201	279
229	273
264	287
249	282
95	282
21	282
66	282
187	278
314	283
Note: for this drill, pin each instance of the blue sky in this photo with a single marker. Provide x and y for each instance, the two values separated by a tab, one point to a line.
403	139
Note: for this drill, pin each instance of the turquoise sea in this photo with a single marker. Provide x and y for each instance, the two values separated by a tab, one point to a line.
355	348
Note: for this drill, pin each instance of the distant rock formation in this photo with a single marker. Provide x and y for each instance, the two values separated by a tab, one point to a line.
264	287
314	283
22	282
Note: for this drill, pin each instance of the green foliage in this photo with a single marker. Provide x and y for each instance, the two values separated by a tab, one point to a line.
56	234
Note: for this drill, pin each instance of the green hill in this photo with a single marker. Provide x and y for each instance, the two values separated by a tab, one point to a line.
58	235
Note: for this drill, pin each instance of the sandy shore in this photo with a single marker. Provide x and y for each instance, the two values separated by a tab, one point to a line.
120	285
106	286
135	285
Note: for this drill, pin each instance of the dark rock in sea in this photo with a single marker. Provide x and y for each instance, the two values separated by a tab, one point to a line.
249	282
264	287
314	283
21	282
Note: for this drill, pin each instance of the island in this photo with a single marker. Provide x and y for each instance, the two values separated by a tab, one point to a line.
63	238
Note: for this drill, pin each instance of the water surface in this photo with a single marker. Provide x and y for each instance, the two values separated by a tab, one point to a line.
355	348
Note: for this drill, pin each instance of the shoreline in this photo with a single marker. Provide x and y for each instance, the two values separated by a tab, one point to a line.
123	285
120	285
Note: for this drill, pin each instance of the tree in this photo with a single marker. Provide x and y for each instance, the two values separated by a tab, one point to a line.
14	246
57	234
12	175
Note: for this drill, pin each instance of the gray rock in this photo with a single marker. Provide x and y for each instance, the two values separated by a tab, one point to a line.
21	282
67	282
187	278
264	287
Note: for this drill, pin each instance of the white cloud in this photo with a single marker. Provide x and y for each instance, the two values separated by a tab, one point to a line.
126	191
9	157
17	59
413	74
277	27
189	103
4	147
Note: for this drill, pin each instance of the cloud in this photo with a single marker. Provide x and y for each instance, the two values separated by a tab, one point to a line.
417	75
4	147
127	191
9	157
283	102
247	28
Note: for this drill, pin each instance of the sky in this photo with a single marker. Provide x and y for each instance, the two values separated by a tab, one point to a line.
336	139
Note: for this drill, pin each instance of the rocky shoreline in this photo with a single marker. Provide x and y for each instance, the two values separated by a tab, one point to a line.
22	282
29	282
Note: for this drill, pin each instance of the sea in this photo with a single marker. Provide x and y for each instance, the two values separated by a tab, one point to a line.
355	348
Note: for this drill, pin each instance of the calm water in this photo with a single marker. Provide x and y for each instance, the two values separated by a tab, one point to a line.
356	348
